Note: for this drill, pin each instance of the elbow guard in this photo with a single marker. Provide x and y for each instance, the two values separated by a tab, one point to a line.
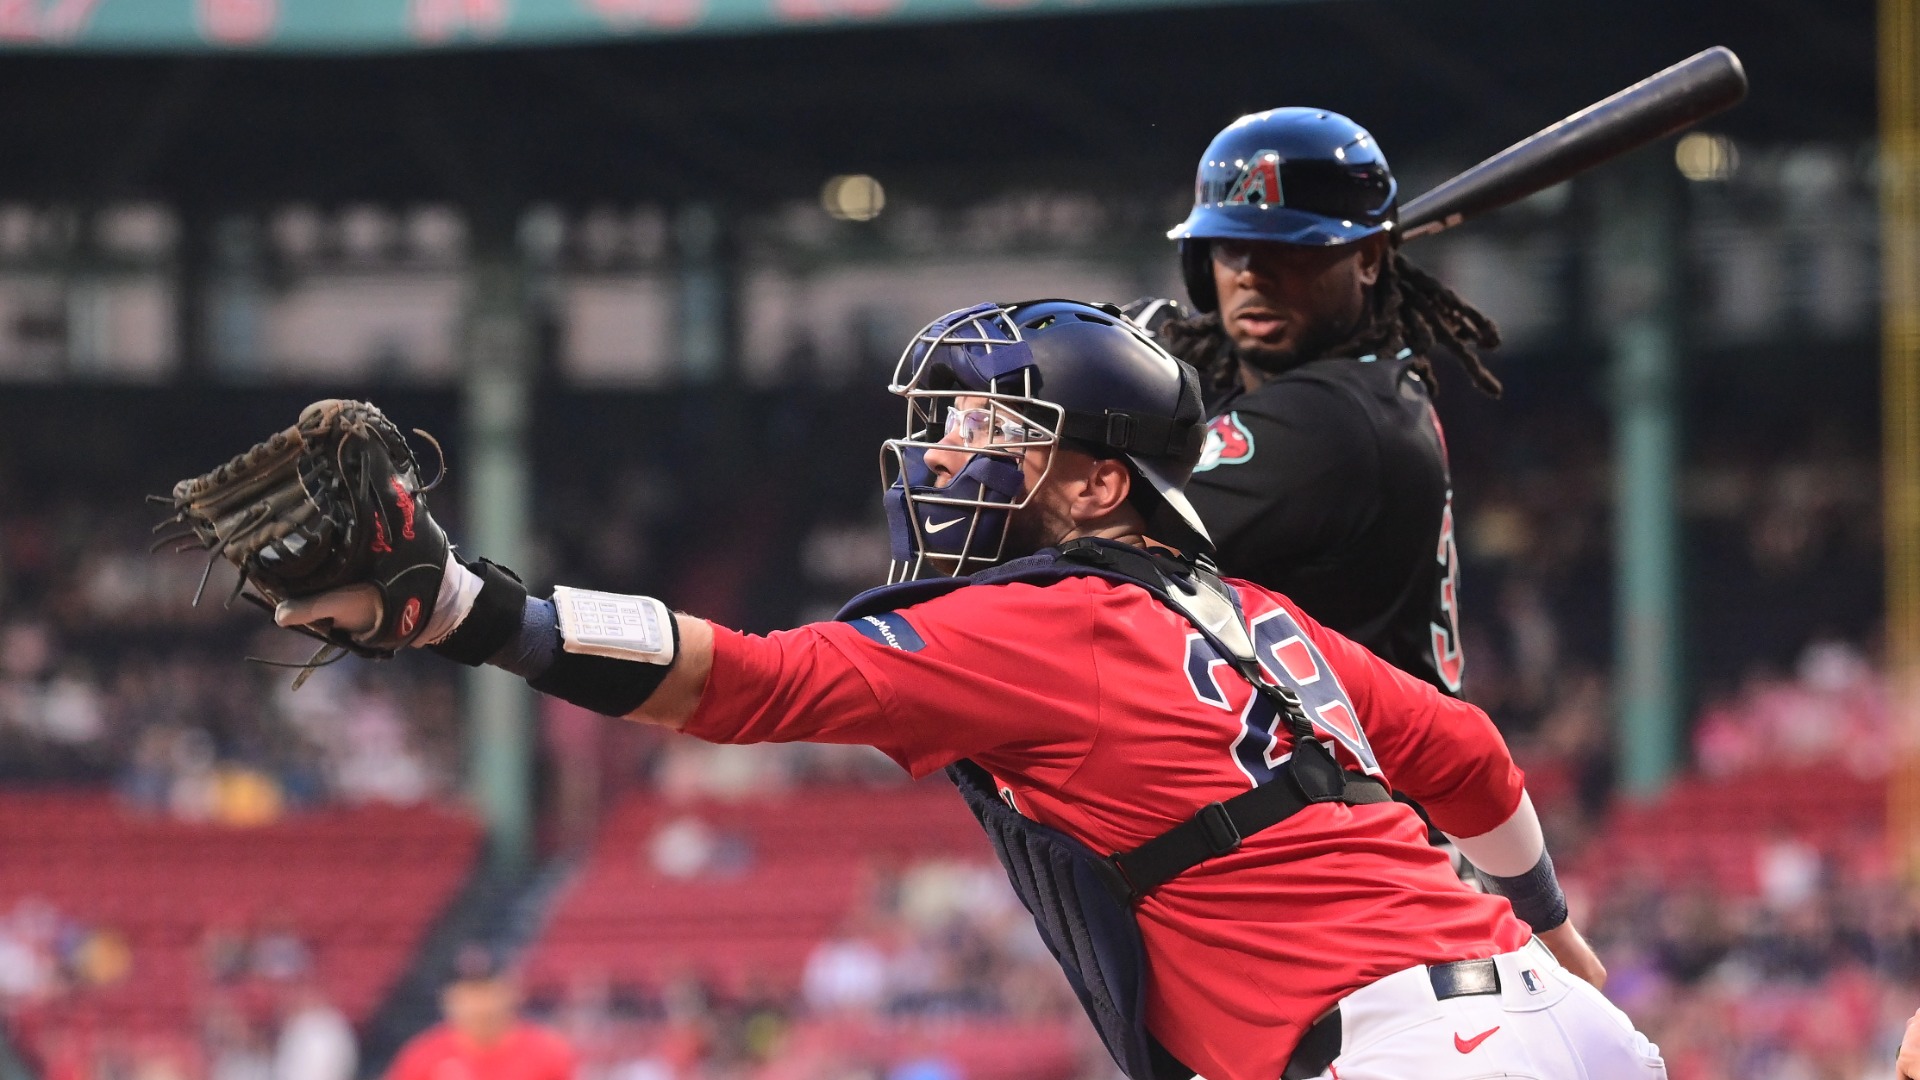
1536	895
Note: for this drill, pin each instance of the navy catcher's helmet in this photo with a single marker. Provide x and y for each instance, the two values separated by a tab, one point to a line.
1288	176
1046	372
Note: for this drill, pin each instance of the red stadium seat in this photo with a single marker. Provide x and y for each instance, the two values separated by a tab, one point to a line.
359	887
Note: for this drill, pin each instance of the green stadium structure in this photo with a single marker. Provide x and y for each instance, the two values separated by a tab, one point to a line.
333	26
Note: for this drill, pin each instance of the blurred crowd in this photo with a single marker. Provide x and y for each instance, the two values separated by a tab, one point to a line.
45	954
110	674
264	1018
300	1036
937	946
1812	979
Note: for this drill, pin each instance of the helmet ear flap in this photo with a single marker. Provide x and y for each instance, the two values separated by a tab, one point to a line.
1196	268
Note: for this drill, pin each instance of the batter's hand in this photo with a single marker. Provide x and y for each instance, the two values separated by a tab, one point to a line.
1907	1065
1575	954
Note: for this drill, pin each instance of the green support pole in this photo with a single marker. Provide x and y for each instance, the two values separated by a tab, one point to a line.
495	400
703	294
1900	409
1639	280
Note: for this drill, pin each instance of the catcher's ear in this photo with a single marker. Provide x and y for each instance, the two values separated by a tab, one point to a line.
1095	487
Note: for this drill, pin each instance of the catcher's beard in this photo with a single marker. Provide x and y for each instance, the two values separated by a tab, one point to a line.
1036	525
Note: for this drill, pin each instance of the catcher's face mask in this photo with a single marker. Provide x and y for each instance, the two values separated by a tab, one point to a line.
969	383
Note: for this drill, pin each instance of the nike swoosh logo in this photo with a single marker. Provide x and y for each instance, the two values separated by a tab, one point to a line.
932	528
1468	1046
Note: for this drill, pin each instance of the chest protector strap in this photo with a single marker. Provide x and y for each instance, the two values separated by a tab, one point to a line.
1081	901
1218	828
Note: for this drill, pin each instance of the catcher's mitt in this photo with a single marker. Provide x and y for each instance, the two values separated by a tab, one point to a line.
333	501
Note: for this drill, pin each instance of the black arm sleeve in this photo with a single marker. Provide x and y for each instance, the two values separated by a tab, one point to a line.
1307	482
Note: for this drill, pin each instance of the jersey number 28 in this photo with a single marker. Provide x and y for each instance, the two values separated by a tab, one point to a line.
1290	659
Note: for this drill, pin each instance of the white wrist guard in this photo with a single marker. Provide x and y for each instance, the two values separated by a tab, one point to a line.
615	625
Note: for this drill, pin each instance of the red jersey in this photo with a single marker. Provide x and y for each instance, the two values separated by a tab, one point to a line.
1101	712
526	1052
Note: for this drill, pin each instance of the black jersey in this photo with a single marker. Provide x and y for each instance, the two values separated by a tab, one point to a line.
1330	485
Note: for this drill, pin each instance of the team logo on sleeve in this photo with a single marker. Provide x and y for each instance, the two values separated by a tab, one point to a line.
1228	443
892	630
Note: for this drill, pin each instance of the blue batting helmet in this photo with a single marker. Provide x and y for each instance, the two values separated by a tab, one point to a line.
1038	373
1288	176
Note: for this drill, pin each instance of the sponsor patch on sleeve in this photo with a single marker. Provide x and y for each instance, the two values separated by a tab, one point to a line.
892	630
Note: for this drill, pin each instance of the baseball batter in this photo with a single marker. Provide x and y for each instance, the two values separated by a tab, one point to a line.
1220	757
1325	473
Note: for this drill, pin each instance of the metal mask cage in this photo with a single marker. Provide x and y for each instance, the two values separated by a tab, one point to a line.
977	354
981	547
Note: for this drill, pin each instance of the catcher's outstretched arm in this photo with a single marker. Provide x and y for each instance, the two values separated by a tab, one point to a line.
476	621
680	692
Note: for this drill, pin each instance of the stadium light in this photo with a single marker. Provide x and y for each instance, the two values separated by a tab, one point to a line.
1701	156
853	198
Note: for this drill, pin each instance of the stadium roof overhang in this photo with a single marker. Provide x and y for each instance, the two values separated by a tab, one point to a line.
1116	96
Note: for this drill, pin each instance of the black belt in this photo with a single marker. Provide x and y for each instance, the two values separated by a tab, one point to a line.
1321	1044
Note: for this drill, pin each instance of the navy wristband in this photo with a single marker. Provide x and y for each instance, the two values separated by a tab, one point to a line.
1536	895
601	683
531	650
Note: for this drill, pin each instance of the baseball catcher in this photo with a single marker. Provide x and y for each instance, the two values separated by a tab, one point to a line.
1185	777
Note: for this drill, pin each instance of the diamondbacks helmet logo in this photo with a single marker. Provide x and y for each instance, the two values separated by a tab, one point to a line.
1228	443
1286	176
1258	183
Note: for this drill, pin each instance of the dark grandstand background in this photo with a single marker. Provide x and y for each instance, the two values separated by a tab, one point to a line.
749	493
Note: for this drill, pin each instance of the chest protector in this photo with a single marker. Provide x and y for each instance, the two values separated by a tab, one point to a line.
1082	901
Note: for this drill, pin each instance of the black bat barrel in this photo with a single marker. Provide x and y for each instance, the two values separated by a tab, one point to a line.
1689	91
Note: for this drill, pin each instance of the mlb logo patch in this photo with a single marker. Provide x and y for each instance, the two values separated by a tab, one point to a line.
1535	984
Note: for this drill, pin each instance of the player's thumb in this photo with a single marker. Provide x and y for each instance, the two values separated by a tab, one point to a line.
354	609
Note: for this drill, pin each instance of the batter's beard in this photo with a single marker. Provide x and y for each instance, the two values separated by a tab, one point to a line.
1316	343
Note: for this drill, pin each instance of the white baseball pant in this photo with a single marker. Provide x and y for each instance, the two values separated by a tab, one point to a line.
1545	1024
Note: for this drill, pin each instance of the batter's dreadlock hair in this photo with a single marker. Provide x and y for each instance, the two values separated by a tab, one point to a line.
1408	308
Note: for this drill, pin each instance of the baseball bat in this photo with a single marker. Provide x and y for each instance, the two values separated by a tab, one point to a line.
1690	91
